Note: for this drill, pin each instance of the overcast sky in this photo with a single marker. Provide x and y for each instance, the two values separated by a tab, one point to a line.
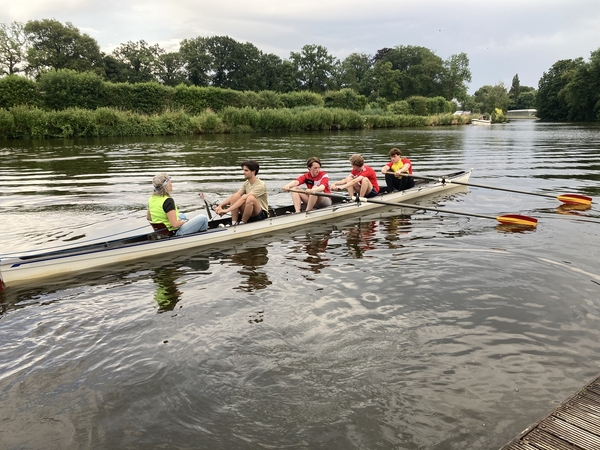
501	38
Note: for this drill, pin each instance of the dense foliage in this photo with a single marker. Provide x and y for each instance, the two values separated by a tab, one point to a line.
66	88
31	122
392	74
570	90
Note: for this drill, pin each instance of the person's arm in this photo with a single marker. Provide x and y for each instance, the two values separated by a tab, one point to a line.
148	216
341	184
174	220
321	187
385	169
291	185
220	210
404	169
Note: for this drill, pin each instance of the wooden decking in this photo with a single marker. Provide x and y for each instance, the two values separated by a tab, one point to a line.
574	425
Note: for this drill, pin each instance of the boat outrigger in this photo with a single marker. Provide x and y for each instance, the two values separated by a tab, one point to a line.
32	267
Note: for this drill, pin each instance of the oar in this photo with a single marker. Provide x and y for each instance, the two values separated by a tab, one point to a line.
201	194
569	199
514	219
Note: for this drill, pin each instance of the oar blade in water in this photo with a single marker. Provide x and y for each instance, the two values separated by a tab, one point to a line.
517	219
575	199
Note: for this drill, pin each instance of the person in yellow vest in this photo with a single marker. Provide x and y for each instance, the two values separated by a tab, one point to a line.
162	209
394	169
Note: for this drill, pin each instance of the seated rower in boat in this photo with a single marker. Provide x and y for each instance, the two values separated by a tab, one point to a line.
362	179
394	169
251	201
163	210
316	181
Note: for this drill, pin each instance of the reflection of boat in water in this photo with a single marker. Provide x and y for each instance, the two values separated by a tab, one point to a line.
29	267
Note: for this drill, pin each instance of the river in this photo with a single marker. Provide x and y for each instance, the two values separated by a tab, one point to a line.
405	330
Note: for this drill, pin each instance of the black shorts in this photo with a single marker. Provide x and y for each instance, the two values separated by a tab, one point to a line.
260	216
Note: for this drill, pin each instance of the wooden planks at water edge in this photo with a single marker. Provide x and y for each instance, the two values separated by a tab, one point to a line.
574	425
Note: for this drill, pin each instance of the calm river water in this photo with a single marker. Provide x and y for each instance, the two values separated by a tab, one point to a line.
405	330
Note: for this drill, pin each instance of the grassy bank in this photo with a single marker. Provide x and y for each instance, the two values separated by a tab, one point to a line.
30	122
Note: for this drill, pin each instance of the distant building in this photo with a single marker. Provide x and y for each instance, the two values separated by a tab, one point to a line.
522	114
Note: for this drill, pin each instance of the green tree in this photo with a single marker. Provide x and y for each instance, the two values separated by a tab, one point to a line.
170	69
551	102
526	98
456	75
57	46
234	65
13	48
197	61
421	71
488	98
139	61
581	92
513	93
354	69
314	67
277	74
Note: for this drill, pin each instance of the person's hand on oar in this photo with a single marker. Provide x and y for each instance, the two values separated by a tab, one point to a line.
569	199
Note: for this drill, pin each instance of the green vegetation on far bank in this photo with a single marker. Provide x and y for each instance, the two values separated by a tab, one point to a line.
31	122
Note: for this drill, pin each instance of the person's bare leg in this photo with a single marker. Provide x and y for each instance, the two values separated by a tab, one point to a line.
235	213
251	208
297	199
312	201
365	188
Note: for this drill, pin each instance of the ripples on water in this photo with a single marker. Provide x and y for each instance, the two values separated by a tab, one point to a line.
398	330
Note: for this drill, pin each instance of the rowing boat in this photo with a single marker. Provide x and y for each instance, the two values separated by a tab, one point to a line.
34	267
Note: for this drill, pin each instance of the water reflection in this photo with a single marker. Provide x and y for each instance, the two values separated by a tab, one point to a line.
361	238
167	293
251	260
572	209
314	246
394	229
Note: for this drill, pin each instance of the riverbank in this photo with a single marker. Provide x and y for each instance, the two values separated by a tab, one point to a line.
24	122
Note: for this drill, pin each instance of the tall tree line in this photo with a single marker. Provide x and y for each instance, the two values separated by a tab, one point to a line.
391	74
570	90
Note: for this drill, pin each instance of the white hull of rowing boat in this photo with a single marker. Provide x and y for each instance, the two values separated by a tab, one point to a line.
481	122
28	269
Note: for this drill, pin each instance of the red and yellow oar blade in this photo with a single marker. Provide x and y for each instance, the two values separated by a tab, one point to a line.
575	199
517	219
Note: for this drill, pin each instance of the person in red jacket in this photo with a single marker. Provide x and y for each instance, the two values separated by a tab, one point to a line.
362	179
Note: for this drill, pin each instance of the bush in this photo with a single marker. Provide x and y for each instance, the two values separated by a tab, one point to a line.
145	98
29	122
295	99
7	124
269	99
65	88
400	107
418	105
71	123
195	100
18	91
346	99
